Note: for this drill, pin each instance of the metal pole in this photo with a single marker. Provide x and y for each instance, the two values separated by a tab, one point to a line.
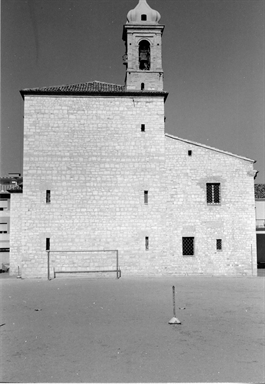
117	266
48	262
174	305
252	261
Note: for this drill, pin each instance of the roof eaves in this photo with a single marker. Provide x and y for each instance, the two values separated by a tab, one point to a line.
92	93
210	148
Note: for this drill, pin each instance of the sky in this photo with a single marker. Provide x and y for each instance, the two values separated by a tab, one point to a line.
213	62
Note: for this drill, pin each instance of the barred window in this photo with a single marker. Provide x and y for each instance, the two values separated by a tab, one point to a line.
213	193
188	246
219	244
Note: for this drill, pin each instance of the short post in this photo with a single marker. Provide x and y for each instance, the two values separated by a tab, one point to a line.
174	320
18	274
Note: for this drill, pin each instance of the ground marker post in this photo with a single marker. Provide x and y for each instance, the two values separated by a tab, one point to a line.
18	274
174	320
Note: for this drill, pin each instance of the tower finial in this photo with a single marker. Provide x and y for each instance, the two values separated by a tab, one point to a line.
143	14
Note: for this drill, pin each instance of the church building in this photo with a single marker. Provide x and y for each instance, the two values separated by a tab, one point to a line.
105	188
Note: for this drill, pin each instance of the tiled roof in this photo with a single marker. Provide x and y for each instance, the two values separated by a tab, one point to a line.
259	191
93	86
86	89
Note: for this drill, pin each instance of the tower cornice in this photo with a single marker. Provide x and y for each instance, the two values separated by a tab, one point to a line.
141	27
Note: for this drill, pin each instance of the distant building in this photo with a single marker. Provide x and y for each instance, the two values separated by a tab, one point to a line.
101	175
260	223
7	184
4	221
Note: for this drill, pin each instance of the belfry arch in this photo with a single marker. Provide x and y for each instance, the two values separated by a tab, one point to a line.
144	55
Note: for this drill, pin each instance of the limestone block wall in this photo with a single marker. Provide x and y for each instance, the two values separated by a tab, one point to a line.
95	158
154	80
189	215
15	257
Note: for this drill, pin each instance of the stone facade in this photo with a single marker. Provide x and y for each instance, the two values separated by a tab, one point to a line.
93	156
100	174
188	214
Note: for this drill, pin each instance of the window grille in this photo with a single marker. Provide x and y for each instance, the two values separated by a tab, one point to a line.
188	246
213	193
143	17
219	244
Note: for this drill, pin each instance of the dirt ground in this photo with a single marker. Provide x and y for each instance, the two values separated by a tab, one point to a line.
108	330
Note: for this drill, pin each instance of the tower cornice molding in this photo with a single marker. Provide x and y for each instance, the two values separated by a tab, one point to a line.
144	27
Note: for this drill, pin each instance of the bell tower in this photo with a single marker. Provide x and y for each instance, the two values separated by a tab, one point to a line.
143	43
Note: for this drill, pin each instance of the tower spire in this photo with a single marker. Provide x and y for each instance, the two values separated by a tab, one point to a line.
142	34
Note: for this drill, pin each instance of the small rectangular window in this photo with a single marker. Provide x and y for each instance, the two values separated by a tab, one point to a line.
213	193
189	153
48	196
143	17
142	127
47	243
219	244
146	243
146	197
188	246
142	86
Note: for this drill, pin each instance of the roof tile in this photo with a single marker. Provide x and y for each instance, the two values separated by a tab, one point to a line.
93	86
